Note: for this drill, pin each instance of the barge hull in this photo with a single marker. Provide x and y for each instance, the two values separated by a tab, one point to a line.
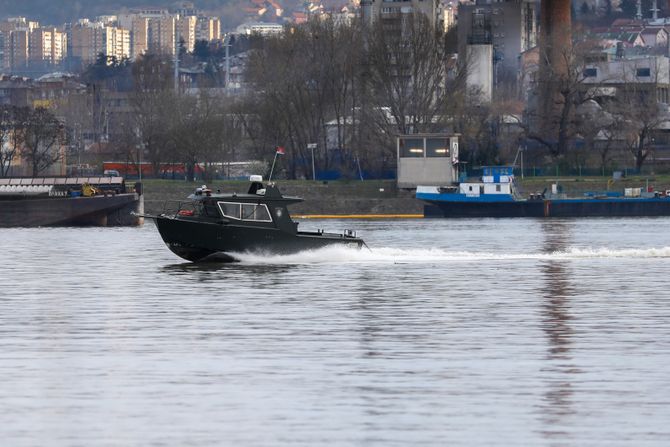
642	207
110	210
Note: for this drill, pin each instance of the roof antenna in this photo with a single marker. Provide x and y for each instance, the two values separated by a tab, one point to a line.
279	151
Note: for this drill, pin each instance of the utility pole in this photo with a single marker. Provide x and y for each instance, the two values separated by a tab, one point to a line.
176	55
312	146
226	44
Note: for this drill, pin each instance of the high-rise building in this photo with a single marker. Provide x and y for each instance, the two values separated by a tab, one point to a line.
15	42
90	39
162	35
41	46
208	28
152	30
186	29
372	10
18	48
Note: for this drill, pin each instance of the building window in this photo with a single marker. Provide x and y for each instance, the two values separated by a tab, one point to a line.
643	72
411	147
590	72
437	147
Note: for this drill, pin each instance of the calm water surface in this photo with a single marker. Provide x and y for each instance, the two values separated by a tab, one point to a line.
468	332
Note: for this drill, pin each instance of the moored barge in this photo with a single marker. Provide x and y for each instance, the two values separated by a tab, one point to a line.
496	195
69	201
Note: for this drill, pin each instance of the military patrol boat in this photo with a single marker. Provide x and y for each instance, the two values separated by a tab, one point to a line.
218	226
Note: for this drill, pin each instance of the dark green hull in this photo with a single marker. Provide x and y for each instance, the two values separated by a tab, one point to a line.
195	240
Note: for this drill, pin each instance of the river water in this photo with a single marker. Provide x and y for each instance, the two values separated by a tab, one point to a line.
488	332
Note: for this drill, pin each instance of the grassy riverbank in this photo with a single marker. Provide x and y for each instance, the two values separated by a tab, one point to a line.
377	196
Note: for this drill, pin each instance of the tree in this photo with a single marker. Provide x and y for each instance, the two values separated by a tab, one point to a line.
201	50
198	130
636	108
43	138
153	101
560	89
640	116
11	135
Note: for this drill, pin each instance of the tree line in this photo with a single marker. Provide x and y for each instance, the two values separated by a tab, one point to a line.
350	90
345	88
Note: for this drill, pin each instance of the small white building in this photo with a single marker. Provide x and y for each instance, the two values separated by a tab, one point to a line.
427	159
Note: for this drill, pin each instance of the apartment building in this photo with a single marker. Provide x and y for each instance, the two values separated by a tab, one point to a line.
208	28
394	10
15	42
152	30
47	46
89	39
187	30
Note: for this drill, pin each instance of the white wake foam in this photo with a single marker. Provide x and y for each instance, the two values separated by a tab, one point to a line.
340	255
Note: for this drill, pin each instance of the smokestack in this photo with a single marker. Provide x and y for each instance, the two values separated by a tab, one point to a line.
555	40
638	14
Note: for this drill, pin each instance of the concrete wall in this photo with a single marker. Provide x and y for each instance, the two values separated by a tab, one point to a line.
480	74
424	171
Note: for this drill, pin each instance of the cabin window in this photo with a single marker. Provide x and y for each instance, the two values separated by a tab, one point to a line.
498	188
245	211
643	72
231	210
258	213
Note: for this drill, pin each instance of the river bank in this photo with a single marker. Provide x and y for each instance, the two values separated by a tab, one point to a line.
376	196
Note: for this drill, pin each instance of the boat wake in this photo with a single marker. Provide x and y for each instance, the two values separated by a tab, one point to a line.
340	255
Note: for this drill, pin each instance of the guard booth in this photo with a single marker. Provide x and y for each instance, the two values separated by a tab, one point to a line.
427	159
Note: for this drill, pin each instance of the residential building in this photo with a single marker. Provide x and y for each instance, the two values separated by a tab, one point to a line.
139	36
372	10
15	42
152	30
262	28
186	31
90	39
47	46
208	28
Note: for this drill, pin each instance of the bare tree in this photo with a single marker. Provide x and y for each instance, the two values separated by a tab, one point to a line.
560	89
408	69
11	136
43	137
198	130
153	101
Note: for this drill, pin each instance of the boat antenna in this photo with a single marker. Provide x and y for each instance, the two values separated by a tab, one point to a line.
279	150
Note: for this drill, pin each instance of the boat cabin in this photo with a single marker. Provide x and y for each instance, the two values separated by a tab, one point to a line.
262	205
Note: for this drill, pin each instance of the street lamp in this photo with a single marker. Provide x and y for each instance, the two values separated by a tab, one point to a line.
312	146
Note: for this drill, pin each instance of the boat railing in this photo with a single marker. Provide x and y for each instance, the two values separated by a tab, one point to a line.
178	207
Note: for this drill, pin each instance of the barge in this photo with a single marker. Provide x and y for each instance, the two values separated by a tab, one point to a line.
496	195
69	201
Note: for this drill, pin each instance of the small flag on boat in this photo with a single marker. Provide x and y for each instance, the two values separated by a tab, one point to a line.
280	150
